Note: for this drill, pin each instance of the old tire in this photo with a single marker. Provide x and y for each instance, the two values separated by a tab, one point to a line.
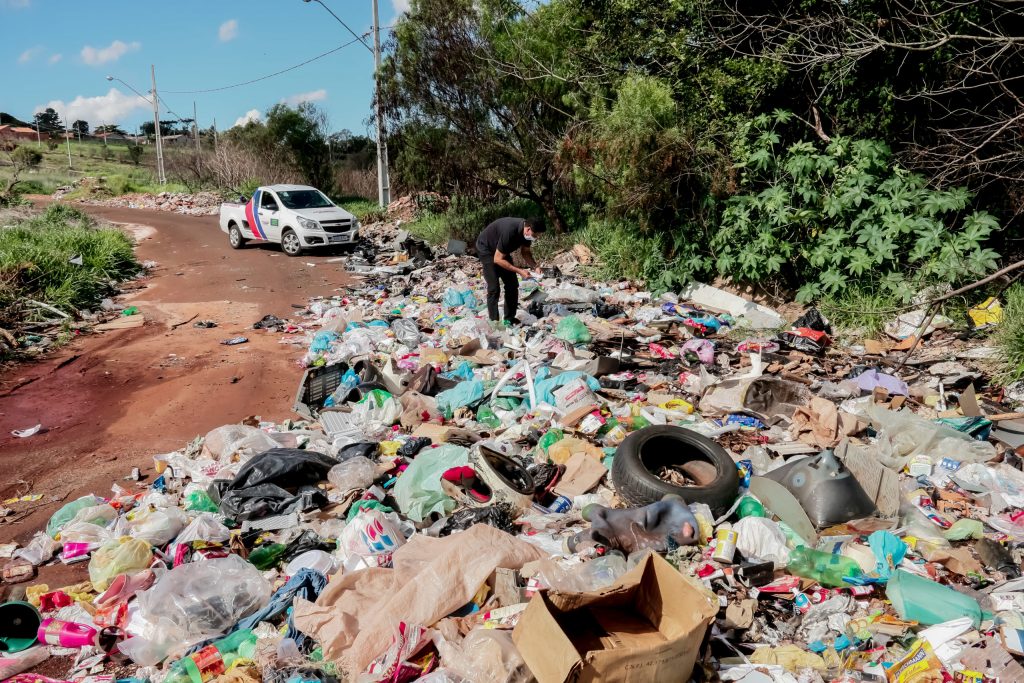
644	451
290	243
235	238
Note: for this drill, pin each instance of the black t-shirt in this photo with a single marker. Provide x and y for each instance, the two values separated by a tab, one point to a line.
504	235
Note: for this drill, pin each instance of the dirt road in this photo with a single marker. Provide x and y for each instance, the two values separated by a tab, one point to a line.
110	401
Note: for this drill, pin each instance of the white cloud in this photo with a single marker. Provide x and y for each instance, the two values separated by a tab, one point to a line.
401	6
113	52
253	115
17	4
313	96
228	30
30	54
55	58
109	108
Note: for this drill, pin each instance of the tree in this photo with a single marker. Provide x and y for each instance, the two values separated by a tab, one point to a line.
49	121
20	159
81	127
302	131
135	153
110	128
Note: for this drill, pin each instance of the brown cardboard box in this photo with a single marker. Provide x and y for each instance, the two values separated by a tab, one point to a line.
646	627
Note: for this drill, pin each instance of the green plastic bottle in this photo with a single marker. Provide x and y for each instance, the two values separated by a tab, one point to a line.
267	556
214	659
750	507
827	569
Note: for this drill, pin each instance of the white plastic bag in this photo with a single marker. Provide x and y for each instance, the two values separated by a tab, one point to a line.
237	443
41	548
761	538
902	434
157	526
205	527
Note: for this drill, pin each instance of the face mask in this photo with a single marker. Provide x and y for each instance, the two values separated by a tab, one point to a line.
528	238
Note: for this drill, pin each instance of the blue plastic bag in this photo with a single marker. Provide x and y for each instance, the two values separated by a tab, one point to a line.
322	341
462	394
889	552
545	386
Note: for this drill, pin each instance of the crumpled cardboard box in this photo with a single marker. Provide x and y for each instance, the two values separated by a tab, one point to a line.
646	627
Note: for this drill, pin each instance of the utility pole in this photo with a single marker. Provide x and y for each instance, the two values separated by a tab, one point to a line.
39	140
383	179
195	125
215	134
156	130
67	139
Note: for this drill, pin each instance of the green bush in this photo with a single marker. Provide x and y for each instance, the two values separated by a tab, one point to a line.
35	260
828	218
1009	336
465	218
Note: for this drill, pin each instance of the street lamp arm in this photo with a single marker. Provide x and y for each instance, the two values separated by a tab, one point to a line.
115	78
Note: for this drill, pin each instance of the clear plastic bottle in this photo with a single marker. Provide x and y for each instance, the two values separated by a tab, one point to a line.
825	568
214	659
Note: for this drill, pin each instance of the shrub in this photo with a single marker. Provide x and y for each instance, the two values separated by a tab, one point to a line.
1009	336
843	215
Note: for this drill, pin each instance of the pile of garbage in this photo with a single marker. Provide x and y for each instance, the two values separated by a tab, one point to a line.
189	204
623	487
409	207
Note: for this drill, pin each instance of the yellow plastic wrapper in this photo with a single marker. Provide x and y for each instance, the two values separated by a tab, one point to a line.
919	666
789	657
988	313
389	447
32	593
678	405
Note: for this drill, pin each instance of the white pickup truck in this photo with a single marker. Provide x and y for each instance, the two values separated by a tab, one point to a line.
295	216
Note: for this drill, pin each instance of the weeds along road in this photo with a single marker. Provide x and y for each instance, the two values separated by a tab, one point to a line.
110	401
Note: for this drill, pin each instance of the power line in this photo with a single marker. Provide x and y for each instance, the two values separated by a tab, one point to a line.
263	78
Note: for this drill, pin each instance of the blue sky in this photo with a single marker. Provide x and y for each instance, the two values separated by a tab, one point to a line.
58	53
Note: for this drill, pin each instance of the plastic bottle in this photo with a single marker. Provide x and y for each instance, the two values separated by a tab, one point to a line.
825	568
267	556
214	659
923	600
750	507
67	633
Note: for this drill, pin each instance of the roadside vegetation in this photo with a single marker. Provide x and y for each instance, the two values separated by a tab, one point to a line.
57	258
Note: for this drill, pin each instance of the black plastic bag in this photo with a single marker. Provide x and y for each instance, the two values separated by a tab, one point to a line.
413	446
814	320
265	500
307	540
603	310
366	449
499	516
285	467
269	322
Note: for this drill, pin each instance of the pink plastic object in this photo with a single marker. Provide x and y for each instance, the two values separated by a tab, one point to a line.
67	634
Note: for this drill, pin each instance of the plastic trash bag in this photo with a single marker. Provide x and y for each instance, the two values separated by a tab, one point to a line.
571	294
406	331
483	655
65	514
236	443
86	532
545	386
581	578
157	526
355	473
453	298
889	552
418	490
704	349
761	538
124	555
191	603
205	527
378	408
500	516
40	549
572	330
275	482
903	434
463	394
371	533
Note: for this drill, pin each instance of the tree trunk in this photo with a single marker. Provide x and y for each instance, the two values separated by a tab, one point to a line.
550	206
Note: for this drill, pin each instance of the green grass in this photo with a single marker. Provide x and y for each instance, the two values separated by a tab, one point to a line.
88	159
35	261
366	210
464	219
860	313
1009	336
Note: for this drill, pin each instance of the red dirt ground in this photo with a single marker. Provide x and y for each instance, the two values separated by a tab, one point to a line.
111	401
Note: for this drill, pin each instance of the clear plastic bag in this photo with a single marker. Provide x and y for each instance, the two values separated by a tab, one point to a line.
237	443
483	655
157	526
121	556
406	332
85	532
582	578
903	434
205	527
355	473
40	549
191	603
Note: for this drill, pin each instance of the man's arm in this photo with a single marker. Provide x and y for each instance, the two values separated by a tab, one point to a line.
502	260
528	257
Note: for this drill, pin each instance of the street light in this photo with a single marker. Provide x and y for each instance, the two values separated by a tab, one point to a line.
161	176
383	179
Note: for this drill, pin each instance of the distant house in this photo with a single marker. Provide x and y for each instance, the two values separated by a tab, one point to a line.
9	132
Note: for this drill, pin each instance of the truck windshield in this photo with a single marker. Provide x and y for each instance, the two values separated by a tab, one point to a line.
304	199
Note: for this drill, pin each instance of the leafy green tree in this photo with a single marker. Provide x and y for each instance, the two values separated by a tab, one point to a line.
81	127
826	217
302	131
135	153
49	120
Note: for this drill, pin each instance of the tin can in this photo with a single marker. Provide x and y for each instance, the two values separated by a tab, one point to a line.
725	545
801	602
136	474
561	504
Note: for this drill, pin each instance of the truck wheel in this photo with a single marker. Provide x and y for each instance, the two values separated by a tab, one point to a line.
290	243
235	238
647	451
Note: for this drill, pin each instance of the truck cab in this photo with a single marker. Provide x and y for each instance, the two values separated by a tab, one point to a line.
297	217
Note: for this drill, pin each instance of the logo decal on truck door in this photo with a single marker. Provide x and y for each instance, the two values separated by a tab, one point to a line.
252	216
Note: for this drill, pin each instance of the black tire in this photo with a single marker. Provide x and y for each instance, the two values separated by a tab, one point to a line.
647	449
235	238
290	243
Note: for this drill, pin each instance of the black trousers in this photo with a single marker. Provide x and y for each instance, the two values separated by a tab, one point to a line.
495	276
